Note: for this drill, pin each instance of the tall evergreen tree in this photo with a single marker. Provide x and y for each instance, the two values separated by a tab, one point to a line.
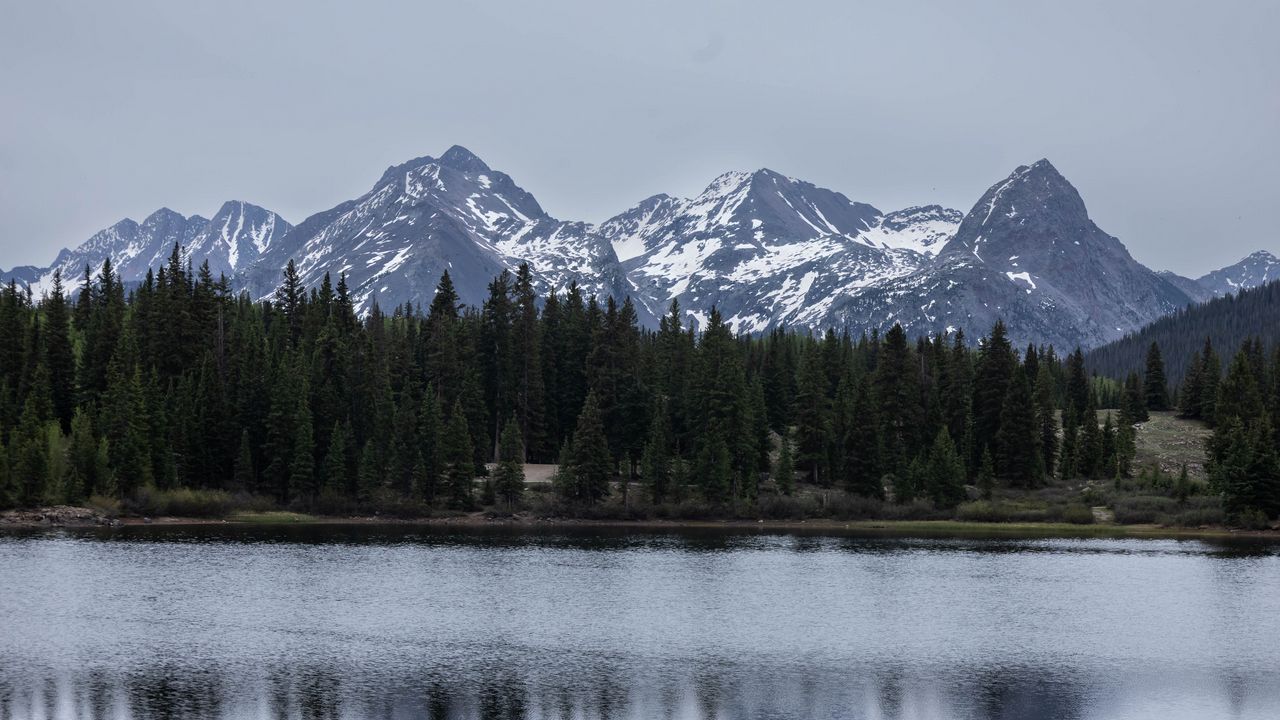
1155	385
509	475
1018	456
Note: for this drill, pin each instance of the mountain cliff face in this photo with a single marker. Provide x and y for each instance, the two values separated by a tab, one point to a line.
1027	252
767	250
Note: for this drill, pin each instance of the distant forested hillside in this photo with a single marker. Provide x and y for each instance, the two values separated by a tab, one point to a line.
1226	321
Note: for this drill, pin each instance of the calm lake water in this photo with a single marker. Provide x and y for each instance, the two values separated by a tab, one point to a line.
359	622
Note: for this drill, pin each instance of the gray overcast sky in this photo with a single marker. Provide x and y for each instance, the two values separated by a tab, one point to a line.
1164	114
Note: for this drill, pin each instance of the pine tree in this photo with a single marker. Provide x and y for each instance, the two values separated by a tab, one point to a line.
1108	465
1046	417
335	478
1210	376
59	357
944	472
1088	459
714	469
1192	385
995	370
302	475
986	475
811	414
1155	386
1238	395
588	459
1017	456
896	393
457	459
527	350
860	460
245	477
1133	408
29	457
655	462
508	480
784	470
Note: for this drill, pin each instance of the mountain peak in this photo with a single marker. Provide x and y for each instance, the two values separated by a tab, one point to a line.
460	158
164	214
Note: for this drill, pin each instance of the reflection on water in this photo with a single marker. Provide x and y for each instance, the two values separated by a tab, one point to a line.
360	622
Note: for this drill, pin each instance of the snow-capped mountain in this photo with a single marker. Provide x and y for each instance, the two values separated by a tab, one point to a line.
232	237
430	215
236	236
1028	253
766	249
1256	269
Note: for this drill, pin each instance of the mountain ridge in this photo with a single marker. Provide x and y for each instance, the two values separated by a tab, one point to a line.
767	249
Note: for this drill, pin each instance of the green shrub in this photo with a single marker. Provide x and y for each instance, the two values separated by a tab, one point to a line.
982	511
915	510
1141	509
108	506
1199	517
182	502
1251	519
845	506
1077	515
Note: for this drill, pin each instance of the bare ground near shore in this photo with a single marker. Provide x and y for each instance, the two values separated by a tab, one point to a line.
72	517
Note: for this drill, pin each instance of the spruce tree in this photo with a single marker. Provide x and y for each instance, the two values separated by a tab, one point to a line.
1210	377
302	475
784	470
59	357
986	478
589	459
944	472
995	370
1088	459
896	393
245	478
1133	406
655	462
1046	416
1017	447
508	482
1155	385
860	461
457	459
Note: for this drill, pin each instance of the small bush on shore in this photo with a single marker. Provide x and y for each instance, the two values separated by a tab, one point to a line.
1077	515
182	502
1143	509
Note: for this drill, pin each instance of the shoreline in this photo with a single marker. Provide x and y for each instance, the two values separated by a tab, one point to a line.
84	518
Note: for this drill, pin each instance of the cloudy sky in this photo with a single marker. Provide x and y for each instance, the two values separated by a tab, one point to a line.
1165	115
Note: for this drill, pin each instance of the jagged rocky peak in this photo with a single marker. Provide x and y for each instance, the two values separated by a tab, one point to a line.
460	158
1255	269
239	233
1035	210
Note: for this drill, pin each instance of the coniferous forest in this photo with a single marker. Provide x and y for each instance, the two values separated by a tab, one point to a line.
114	394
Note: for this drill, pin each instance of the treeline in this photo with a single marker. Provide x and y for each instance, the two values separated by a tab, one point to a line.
1226	321
181	384
1244	409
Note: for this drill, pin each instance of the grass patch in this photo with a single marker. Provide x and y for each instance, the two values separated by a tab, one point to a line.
271	517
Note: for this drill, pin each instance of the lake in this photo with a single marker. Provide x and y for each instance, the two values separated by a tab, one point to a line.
405	622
